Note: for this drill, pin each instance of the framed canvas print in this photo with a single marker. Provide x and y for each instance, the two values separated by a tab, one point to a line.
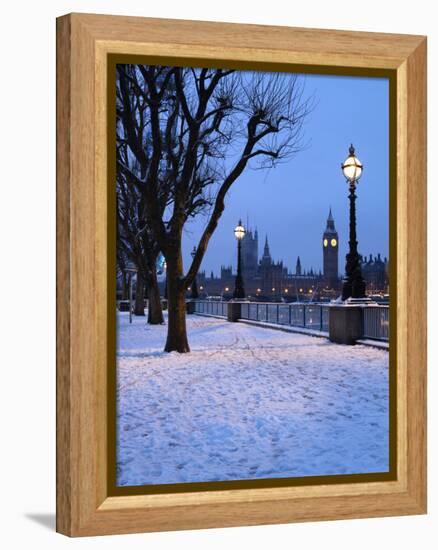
241	229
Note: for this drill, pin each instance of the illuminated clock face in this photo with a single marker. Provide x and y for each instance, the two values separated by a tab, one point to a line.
334	242
325	242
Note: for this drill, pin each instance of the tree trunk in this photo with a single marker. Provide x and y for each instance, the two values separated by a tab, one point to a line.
176	307
155	312
139	296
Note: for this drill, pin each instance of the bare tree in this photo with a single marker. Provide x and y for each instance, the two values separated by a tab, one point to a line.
205	127
135	243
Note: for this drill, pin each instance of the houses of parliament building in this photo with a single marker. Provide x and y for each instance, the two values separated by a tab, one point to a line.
266	279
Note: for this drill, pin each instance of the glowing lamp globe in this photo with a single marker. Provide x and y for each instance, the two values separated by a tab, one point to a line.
239	231
352	167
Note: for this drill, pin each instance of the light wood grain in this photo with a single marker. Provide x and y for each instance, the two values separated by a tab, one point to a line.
63	343
416	277
84	42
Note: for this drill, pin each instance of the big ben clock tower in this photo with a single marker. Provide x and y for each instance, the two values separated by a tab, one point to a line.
330	251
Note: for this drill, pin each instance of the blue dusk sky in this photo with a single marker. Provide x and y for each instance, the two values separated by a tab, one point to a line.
290	203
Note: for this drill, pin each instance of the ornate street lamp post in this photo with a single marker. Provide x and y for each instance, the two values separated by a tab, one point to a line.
239	291
195	293
354	284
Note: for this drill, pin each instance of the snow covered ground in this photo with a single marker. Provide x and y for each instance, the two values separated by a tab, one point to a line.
246	403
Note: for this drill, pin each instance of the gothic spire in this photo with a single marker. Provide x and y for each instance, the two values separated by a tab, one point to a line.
298	267
266	252
330	223
266	246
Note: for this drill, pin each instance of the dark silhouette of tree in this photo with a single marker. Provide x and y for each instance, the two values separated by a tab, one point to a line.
121	265
205	127
136	244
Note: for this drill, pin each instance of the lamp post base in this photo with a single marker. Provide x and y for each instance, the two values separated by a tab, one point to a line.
233	311
345	324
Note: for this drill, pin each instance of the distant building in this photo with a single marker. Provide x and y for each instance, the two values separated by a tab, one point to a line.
250	254
375	271
330	253
269	279
272	276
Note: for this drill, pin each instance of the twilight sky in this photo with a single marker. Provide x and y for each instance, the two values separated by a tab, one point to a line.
290	203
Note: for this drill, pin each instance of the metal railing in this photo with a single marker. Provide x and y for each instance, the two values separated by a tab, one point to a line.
310	316
376	322
207	307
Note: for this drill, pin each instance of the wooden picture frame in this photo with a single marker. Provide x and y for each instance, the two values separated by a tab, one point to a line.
84	42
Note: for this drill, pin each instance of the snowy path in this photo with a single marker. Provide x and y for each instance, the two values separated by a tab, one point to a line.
246	403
